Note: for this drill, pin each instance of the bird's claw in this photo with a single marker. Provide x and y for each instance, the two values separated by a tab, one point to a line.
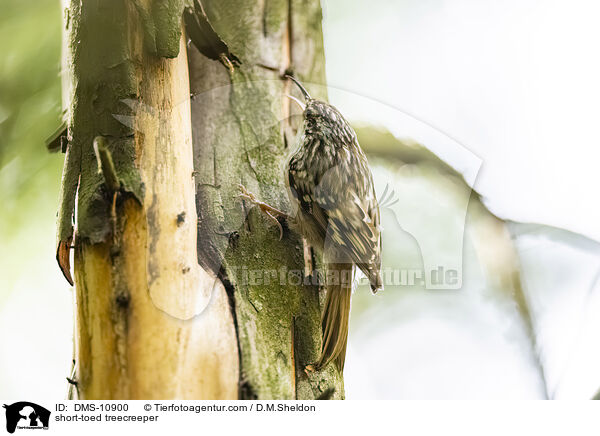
309	369
244	193
270	211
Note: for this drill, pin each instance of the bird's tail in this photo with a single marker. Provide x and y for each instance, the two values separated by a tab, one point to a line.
336	315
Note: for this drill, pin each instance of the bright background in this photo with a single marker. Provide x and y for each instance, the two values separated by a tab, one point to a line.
505	92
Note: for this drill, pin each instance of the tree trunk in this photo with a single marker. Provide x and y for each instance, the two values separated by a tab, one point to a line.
164	312
242	134
138	281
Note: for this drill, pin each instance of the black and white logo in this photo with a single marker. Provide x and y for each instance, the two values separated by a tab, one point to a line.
26	415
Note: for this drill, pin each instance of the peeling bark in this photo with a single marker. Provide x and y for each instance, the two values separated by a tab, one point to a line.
163	305
151	323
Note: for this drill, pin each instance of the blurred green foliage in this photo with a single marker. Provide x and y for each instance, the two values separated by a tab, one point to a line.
30	110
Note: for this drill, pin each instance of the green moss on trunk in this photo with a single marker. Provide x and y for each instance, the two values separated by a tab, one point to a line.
240	125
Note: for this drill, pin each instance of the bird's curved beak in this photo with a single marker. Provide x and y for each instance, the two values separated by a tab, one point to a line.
305	93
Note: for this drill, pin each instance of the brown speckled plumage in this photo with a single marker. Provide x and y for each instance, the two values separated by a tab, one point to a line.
331	188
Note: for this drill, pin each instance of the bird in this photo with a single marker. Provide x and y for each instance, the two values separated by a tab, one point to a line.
332	196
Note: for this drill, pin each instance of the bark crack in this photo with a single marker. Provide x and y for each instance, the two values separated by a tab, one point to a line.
245	391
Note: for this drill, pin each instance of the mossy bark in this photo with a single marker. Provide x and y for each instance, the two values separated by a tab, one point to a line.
243	132
166	307
144	305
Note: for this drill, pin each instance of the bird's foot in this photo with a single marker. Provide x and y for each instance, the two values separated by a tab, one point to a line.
309	369
268	210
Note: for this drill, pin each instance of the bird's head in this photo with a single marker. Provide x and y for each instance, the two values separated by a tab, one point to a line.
321	115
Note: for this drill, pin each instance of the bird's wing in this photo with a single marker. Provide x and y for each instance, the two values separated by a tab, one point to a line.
352	218
301	187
